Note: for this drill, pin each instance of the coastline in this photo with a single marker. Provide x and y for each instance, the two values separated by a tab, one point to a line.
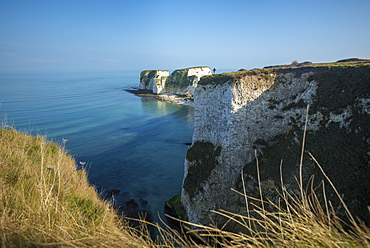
170	98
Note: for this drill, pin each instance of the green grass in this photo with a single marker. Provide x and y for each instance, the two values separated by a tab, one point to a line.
175	203
194	67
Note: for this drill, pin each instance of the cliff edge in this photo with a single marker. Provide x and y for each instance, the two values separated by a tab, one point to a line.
261	114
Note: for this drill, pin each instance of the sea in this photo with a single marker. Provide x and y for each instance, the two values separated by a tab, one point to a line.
128	144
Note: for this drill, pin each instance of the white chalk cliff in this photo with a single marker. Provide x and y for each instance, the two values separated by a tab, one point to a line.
263	112
180	82
153	80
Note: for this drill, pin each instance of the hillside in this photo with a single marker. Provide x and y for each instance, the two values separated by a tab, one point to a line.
45	201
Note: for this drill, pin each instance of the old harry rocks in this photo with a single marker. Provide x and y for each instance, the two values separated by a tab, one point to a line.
180	81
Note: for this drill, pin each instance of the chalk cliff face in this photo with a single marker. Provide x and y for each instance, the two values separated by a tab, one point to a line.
262	113
180	82
153	80
184	81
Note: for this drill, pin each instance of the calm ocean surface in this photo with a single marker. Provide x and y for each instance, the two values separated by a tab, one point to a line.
132	144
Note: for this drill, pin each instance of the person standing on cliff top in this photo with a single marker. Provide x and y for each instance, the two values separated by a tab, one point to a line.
214	70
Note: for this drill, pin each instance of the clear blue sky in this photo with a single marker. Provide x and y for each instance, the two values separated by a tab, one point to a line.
151	34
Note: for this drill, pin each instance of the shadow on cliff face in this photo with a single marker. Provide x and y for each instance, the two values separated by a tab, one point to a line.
147	169
341	143
203	159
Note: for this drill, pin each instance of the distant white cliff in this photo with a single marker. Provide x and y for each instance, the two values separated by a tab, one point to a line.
153	80
180	82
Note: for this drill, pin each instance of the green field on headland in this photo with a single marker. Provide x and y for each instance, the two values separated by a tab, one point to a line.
297	67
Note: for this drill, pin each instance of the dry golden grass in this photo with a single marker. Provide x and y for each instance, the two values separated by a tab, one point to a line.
300	223
45	201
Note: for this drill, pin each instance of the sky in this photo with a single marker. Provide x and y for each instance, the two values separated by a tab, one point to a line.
130	35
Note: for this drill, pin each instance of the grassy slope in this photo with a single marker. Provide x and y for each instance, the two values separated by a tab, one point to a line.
45	200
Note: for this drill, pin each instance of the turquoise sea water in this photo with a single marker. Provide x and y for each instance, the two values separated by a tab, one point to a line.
132	144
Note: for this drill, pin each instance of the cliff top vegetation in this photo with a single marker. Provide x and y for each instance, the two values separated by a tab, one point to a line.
193	67
182	69
151	72
296	67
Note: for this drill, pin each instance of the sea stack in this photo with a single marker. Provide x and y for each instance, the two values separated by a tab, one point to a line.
180	82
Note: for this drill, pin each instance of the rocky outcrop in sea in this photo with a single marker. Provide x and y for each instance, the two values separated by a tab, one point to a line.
179	82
